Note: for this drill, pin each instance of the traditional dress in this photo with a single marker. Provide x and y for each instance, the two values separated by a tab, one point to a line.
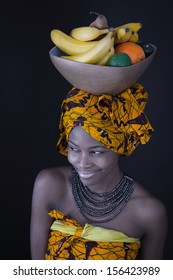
119	123
68	240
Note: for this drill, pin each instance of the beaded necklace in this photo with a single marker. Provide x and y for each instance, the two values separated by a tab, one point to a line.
101	207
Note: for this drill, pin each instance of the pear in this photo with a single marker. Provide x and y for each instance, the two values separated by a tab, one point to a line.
100	22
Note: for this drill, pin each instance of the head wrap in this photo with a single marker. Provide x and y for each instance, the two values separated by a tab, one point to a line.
118	122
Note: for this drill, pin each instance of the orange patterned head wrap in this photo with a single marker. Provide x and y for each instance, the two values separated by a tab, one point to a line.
118	122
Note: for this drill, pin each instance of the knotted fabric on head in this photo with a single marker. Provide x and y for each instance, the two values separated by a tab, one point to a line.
118	122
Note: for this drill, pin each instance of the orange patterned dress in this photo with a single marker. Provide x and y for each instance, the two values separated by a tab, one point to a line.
68	240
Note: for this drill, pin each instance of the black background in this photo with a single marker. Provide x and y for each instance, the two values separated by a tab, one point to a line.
32	90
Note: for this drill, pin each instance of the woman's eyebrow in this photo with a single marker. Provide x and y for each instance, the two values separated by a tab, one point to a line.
72	143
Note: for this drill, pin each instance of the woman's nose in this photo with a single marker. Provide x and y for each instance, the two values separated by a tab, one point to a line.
84	160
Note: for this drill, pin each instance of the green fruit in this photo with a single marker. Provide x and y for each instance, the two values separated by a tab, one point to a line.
147	47
119	60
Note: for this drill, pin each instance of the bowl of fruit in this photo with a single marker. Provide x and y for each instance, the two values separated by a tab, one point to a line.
101	59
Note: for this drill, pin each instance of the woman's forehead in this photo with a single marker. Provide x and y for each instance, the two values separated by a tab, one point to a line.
80	136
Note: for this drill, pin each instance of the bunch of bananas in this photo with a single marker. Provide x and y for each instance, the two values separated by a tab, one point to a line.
127	32
92	52
93	45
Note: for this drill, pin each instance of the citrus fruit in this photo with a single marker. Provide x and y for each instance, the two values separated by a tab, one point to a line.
134	51
119	60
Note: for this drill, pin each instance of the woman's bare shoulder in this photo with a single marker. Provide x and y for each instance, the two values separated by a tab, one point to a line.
148	207
51	183
51	175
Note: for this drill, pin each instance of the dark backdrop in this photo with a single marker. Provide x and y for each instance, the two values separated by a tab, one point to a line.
32	91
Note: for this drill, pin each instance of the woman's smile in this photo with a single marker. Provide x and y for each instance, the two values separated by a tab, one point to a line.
86	175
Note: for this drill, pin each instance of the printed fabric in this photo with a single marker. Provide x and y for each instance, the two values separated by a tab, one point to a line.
118	122
68	240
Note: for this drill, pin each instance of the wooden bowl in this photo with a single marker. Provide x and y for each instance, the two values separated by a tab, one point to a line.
97	79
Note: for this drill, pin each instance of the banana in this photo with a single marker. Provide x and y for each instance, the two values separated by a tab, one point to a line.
127	32
123	35
105	58
95	54
69	45
134	37
133	26
87	33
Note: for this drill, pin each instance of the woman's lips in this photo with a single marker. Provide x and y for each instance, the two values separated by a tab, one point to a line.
86	175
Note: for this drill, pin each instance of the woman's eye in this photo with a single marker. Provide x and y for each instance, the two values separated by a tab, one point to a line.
73	149
97	152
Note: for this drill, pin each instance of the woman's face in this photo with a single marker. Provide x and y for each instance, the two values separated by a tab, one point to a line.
92	160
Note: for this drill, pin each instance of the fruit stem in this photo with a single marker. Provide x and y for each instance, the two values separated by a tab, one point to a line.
95	13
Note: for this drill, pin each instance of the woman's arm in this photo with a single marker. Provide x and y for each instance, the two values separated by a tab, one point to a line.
40	221
154	220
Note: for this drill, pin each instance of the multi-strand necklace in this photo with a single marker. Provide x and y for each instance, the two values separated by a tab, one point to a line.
101	207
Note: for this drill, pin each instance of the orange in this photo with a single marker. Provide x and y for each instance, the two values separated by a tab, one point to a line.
134	51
